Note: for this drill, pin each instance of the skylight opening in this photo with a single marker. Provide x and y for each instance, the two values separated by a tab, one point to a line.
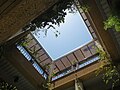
73	35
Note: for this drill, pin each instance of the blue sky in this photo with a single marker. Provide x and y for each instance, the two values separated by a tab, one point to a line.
73	35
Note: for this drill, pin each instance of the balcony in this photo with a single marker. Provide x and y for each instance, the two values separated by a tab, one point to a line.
32	60
77	67
66	65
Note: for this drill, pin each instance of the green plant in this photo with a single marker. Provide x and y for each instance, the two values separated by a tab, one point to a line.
73	62
6	86
24	41
46	66
111	75
47	84
112	22
110	71
85	8
53	16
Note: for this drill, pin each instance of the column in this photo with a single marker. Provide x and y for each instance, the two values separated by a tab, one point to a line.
78	85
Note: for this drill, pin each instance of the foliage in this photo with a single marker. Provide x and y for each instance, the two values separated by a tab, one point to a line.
47	84
53	16
111	75
73	62
85	8
112	22
110	71
6	86
26	42
46	66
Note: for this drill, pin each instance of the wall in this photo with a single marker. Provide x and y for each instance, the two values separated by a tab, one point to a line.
24	67
19	15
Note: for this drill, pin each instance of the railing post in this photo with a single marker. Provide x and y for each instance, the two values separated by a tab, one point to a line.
50	74
78	85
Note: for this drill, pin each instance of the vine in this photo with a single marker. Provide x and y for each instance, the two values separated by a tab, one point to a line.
110	71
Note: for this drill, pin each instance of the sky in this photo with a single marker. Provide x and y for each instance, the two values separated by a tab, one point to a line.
73	35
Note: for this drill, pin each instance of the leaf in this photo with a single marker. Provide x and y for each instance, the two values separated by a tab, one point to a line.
112	22
117	27
51	26
106	81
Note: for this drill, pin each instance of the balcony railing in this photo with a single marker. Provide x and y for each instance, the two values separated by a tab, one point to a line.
77	66
32	60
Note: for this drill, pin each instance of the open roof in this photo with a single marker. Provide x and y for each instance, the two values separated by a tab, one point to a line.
74	34
66	61
62	63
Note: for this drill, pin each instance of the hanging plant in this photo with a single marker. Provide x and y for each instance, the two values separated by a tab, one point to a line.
112	22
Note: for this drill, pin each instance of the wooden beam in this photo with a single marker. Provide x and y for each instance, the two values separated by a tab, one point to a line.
83	74
95	18
20	15
23	66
